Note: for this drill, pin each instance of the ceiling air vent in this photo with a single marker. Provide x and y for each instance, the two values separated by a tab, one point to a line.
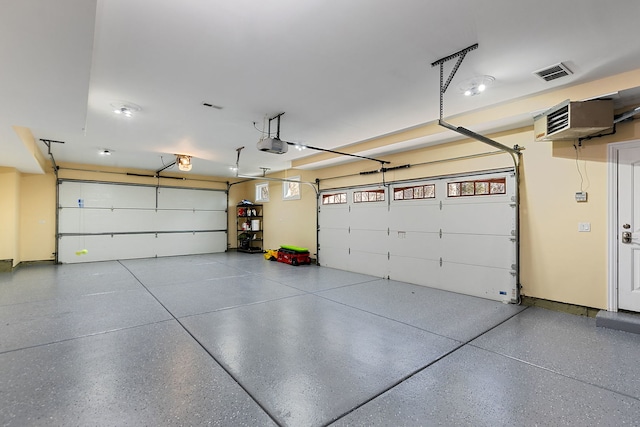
572	120
553	72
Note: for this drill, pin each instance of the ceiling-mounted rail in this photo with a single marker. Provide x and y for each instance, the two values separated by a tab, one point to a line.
481	138
326	150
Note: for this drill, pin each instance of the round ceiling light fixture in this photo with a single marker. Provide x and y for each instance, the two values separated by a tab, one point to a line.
475	85
126	109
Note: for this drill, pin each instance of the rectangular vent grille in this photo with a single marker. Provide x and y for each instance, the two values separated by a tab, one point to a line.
553	72
558	120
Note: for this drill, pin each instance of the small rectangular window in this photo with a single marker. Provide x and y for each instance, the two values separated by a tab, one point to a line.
368	196
467	188
430	191
453	189
480	187
334	199
416	192
498	188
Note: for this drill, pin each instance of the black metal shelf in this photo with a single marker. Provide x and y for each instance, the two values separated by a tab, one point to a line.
252	239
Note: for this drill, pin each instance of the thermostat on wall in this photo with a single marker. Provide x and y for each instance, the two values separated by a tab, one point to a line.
581	196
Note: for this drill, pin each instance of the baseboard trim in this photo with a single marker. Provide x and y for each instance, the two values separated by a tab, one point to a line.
6	265
578	310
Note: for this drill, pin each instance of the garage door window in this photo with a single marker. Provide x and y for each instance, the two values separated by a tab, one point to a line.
368	196
416	192
477	187
334	199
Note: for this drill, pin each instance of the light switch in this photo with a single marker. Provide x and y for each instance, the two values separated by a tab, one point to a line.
584	226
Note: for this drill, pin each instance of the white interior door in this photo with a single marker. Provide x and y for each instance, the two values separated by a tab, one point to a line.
629	222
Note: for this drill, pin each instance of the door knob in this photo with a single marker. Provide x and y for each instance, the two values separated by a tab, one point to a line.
626	237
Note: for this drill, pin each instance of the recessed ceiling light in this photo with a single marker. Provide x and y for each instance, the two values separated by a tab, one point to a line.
126	109
105	152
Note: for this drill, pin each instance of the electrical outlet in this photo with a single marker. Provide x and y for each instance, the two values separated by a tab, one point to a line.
584	227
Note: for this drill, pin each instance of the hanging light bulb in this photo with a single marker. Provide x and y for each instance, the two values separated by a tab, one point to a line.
184	162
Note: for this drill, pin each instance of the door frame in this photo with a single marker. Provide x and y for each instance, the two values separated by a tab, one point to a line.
613	150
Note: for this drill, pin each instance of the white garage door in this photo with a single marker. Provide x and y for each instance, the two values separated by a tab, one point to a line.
453	233
106	221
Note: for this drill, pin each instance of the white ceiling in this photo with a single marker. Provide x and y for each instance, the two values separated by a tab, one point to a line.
342	71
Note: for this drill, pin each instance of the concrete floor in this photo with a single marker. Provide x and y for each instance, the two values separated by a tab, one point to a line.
232	339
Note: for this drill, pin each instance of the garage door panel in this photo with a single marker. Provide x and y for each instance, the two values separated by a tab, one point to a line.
419	271
334	257
373	241
415	245
368	218
171	244
86	220
180	220
474	200
334	238
105	247
335	216
371	263
484	282
492	251
419	218
181	198
101	195
481	218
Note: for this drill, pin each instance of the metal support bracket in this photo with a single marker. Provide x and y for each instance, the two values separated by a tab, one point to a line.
444	85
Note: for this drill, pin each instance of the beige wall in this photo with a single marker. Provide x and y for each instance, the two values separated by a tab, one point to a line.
37	225
27	217
285	222
9	214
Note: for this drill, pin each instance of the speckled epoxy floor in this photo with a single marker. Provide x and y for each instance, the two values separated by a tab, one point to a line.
231	339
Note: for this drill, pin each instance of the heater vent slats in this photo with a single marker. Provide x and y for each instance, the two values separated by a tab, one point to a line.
558	120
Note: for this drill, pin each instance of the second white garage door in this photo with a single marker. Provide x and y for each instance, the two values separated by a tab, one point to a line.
453	233
101	221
